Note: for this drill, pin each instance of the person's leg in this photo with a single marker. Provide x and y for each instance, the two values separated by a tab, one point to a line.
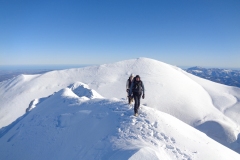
129	100
138	104
135	96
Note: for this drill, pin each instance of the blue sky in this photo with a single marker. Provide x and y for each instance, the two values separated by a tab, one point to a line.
178	32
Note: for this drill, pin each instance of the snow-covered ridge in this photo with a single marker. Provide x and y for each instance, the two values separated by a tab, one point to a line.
195	101
68	126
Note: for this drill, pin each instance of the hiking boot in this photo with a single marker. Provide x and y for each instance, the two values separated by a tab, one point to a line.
135	114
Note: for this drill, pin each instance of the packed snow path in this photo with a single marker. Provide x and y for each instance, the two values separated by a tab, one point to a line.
141	129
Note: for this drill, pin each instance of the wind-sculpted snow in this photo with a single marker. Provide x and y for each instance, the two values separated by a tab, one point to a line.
68	126
195	101
81	89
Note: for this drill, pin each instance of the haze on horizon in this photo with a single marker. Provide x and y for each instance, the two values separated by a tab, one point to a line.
183	33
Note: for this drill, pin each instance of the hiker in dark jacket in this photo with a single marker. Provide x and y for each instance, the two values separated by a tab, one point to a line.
137	89
128	86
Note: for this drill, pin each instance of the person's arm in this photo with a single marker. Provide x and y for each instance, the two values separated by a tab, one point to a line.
143	88
143	96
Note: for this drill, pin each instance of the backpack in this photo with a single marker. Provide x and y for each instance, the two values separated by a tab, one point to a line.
129	83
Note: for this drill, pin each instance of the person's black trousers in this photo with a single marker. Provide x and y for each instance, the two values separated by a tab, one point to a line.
129	100
137	97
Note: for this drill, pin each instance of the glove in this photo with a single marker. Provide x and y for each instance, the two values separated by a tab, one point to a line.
143	96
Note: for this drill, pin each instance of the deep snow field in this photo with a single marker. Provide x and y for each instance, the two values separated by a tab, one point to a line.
83	114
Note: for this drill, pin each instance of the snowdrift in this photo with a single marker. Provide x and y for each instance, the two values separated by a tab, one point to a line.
78	123
205	105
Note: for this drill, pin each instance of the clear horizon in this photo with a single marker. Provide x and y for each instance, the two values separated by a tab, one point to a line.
58	32
69	66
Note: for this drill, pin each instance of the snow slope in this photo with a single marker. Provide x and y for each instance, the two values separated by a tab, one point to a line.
77	123
210	107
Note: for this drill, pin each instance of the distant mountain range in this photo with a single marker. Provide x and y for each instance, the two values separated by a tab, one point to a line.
223	76
8	74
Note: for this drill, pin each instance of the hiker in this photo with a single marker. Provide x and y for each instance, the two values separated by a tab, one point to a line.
137	89
128	85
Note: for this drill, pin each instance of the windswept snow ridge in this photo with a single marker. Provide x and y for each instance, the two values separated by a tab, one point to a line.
210	107
68	126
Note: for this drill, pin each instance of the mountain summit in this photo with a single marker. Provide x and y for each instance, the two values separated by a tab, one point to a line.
210	107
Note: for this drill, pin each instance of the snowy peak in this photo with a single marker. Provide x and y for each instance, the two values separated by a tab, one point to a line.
193	100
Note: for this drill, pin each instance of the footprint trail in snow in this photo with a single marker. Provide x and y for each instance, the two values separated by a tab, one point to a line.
134	128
